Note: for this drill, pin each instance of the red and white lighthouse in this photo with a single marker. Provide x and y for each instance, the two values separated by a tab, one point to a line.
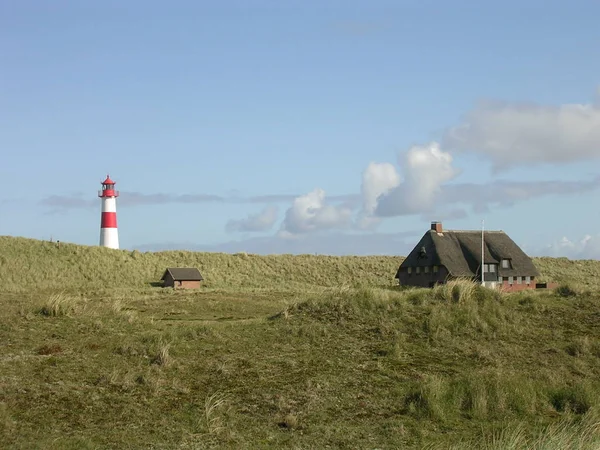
109	235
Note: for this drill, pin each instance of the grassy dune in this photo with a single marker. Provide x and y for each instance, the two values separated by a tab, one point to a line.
26	263
337	357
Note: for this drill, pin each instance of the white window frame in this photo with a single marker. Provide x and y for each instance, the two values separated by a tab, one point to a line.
506	263
519	280
418	270
511	280
426	269
435	269
528	279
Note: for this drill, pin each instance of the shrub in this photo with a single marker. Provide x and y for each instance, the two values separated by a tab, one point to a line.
565	290
573	399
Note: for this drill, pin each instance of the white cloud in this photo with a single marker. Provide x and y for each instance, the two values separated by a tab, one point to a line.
261	221
588	247
425	169
423	188
310	213
377	179
517	134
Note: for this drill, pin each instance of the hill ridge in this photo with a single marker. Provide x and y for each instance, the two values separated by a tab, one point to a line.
27	262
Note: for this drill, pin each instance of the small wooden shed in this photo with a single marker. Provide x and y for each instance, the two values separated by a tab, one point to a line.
182	277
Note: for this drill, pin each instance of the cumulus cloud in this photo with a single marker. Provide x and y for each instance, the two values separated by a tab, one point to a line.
425	169
512	134
587	247
311	213
377	179
424	188
262	221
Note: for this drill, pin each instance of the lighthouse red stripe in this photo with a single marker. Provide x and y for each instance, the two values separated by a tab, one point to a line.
109	220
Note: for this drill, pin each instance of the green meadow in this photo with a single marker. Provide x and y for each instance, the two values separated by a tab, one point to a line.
302	352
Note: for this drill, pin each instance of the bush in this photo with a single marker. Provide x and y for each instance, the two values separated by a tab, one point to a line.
564	290
573	399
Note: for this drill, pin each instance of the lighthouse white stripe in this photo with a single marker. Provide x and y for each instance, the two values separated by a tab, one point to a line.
109	237
109	204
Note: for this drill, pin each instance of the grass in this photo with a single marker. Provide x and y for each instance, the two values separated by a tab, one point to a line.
345	359
45	265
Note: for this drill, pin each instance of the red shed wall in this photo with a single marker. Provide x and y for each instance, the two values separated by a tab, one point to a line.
187	284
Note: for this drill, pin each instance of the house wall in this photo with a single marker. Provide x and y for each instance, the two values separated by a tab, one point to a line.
187	284
422	279
521	287
169	282
428	279
514	287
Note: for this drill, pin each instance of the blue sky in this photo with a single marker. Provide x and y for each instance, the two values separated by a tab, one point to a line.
323	127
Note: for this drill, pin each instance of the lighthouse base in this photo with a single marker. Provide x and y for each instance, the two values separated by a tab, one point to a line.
109	237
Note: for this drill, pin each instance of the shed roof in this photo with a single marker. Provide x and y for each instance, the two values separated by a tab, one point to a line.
460	252
183	274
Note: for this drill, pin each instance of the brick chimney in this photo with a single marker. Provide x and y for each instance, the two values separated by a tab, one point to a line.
436	226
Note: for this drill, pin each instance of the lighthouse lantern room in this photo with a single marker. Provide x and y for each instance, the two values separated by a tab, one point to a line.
109	235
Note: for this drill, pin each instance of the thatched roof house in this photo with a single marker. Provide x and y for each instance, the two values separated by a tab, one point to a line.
182	277
442	254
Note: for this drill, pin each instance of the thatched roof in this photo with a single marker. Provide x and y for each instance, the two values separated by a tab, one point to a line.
460	252
183	274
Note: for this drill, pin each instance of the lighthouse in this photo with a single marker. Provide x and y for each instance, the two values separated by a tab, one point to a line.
109	235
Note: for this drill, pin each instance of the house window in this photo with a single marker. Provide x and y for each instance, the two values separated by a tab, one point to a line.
510	280
435	269
486	268
493	268
426	269
519	280
418	270
506	264
528	280
499	279
409	270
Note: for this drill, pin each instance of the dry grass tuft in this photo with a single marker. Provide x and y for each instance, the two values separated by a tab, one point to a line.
162	356
570	433
60	305
462	291
214	406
